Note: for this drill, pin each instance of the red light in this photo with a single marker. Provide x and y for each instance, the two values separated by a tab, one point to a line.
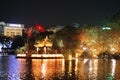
39	27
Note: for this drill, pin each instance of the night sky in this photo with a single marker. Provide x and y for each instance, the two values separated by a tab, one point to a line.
57	12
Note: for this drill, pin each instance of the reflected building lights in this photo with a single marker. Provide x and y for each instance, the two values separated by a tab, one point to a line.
90	66
47	69
76	62
63	64
85	60
43	70
113	67
70	66
93	66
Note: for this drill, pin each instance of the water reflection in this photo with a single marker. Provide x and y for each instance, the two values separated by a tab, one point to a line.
42	69
58	69
113	66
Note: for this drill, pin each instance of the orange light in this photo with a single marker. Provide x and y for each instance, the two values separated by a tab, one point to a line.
41	55
47	55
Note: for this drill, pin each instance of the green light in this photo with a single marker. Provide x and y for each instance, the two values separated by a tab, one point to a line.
106	28
103	28
76	25
109	77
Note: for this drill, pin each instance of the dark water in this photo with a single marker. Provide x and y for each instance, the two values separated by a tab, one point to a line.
58	69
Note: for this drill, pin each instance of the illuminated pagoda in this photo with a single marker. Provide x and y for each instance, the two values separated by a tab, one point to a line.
43	44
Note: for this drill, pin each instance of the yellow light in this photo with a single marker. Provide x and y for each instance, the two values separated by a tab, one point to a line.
84	48
113	49
21	55
42	55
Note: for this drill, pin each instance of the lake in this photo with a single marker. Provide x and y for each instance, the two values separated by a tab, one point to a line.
12	68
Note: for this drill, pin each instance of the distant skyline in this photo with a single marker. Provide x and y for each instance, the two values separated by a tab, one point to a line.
57	12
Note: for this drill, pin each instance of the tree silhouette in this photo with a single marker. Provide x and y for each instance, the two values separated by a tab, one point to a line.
18	42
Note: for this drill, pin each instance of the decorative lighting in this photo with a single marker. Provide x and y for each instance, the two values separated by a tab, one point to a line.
15	25
106	28
113	49
41	55
84	48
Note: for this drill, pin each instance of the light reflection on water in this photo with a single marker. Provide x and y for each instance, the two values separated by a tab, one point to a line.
58	69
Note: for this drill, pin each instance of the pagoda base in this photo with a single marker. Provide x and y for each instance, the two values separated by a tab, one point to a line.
41	56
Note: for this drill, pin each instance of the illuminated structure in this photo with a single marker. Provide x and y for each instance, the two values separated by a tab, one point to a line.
55	29
2	24
11	30
44	44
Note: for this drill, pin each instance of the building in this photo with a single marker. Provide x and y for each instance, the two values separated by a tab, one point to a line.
2	24
11	30
55	29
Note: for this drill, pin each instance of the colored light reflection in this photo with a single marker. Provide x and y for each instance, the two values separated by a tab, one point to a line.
46	68
43	69
113	66
93	66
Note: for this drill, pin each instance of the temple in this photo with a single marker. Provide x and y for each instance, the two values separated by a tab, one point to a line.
43	51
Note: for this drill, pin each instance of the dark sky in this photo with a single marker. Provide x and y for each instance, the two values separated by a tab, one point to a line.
57	12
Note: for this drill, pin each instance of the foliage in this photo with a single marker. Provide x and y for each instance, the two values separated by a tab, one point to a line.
17	42
67	35
4	39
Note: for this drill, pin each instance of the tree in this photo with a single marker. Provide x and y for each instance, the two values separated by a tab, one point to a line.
114	34
116	18
67	38
17	42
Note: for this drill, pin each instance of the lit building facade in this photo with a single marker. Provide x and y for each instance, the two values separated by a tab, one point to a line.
11	30
2	24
